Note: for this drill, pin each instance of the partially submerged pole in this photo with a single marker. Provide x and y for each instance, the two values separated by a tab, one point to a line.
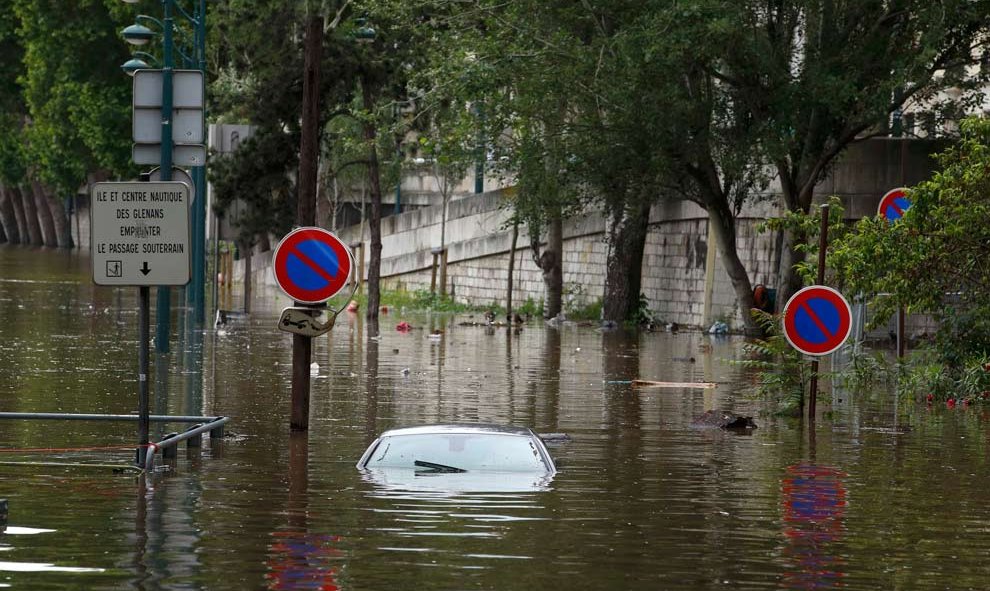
302	346
822	247
144	421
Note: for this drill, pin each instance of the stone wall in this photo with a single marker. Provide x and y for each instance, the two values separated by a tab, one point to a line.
478	244
676	259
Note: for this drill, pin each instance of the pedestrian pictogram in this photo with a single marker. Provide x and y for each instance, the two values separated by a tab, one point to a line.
817	320
311	265
893	204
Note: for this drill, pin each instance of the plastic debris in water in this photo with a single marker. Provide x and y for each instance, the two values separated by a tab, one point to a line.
719	327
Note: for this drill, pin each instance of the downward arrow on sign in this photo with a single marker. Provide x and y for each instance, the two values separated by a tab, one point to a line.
145	268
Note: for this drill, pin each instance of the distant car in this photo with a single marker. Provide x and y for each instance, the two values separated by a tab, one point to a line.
455	448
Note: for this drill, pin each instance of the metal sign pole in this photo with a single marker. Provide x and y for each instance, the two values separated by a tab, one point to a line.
822	246
144	420
302	346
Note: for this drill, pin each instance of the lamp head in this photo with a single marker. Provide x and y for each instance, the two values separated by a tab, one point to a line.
137	34
133	65
364	33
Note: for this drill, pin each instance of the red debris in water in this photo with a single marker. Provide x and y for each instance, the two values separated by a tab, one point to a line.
384	309
950	403
930	398
403	326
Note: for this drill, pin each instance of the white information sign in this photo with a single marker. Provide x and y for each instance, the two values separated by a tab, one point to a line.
140	233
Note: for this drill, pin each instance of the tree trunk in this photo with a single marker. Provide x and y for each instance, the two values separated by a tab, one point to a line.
17	205
627	227
63	225
551	263
549	260
7	217
512	270
31	219
724	226
264	242
788	280
44	214
375	221
248	251
56	210
324	208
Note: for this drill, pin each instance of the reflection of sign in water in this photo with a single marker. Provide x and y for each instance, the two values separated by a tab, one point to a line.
814	499
300	560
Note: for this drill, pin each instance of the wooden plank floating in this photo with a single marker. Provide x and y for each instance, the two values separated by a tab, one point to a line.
652	384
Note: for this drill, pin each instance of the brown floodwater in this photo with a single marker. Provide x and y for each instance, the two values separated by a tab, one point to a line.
875	496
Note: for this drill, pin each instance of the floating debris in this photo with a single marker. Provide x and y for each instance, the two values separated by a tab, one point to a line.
723	420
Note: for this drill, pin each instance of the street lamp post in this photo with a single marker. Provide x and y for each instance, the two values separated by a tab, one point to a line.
138	34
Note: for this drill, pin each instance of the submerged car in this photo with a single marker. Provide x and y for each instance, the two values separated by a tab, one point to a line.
456	448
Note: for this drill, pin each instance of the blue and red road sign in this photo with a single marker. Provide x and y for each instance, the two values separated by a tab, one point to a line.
311	265
817	320
893	204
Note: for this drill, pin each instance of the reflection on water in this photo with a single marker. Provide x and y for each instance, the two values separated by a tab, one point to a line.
39	567
403	479
301	560
34	567
814	499
642	500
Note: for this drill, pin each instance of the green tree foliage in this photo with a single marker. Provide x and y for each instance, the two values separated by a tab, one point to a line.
813	76
550	84
620	104
12	108
934	260
616	105
76	97
255	53
257	174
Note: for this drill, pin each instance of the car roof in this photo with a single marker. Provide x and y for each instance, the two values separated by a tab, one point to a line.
461	428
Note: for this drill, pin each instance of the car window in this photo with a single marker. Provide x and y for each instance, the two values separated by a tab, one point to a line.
463	451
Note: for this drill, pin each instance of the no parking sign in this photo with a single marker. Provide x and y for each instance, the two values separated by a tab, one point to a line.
311	265
893	204
817	320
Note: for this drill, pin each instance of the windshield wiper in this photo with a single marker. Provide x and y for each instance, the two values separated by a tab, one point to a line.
437	467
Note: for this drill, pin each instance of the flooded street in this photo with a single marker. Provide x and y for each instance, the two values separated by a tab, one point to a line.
641	501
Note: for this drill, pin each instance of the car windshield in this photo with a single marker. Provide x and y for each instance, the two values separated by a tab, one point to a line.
457	452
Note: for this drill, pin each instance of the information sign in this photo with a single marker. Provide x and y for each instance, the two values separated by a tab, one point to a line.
140	233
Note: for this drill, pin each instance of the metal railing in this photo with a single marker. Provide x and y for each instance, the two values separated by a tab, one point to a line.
98	417
215	427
